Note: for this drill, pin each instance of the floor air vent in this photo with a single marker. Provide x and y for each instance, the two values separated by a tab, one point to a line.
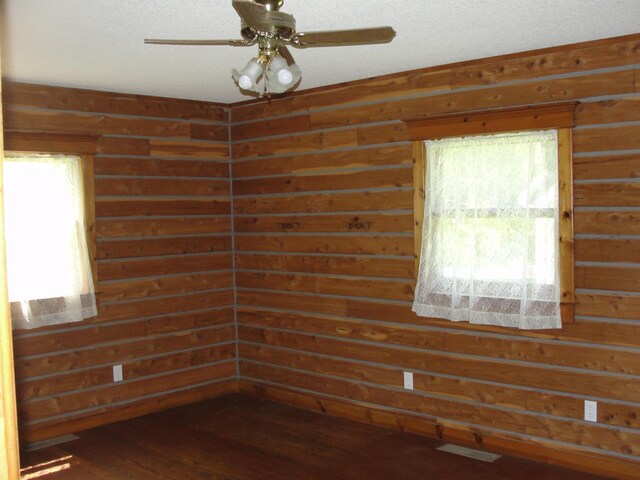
469	452
49	443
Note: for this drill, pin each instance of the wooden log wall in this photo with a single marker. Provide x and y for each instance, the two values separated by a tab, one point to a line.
323	213
164	261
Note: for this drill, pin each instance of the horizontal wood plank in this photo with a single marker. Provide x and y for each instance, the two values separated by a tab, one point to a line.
607	250
113	228
123	146
605	139
61	339
50	143
154	187
611	306
61	98
110	312
189	149
116	249
607	222
607	194
216	133
301	164
114	291
377	223
160	168
317	203
606	166
307	183
144	267
327	285
51	121
609	111
365	266
626	279
159	206
299	123
189	321
353	244
297	143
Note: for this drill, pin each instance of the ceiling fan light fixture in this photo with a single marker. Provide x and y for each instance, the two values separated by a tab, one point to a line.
274	70
247	78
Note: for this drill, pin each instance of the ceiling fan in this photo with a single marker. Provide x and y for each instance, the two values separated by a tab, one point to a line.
274	70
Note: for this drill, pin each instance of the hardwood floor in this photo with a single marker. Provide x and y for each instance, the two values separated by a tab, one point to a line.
243	438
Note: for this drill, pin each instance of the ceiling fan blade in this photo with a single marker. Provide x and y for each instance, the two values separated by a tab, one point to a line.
255	16
286	54
233	43
337	38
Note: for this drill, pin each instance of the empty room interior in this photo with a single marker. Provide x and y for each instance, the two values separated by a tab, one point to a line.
256	239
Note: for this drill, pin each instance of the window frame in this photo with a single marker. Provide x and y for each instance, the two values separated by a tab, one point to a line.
82	146
559	117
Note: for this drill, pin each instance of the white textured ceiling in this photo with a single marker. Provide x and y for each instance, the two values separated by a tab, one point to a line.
98	44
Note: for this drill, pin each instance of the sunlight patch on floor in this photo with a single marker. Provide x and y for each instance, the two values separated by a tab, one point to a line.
46	468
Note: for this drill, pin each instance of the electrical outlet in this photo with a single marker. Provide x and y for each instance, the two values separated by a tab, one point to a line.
590	411
408	380
117	373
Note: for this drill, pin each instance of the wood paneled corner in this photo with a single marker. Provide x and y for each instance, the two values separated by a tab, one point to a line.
160	190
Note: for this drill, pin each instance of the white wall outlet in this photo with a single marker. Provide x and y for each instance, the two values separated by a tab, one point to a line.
590	411
117	373
408	380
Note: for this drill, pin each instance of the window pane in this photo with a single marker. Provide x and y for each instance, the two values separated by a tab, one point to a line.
490	246
48	269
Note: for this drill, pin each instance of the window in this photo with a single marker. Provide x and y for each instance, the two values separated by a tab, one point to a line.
495	245
48	262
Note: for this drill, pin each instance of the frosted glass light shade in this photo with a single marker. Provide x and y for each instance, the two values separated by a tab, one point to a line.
279	67
280	76
247	78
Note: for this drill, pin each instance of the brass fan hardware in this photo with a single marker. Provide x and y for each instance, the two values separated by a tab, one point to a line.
274	69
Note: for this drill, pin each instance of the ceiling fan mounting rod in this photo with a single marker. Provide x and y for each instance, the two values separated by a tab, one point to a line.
271	5
268	47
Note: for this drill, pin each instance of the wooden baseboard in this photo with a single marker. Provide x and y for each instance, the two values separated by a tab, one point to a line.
37	433
541	451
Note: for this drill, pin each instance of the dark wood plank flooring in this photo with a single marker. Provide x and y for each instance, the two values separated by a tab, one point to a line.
243	438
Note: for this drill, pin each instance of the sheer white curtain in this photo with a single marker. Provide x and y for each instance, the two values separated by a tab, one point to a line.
490	240
48	267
